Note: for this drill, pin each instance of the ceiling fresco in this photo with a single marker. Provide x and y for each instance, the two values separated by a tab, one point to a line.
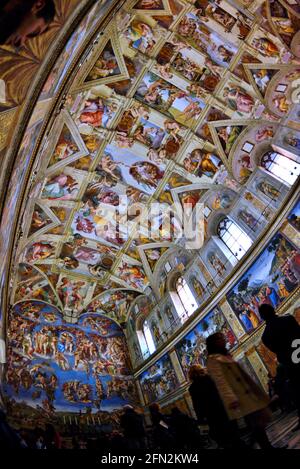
23	46
167	106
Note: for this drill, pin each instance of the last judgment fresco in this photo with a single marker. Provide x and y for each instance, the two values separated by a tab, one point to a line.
58	367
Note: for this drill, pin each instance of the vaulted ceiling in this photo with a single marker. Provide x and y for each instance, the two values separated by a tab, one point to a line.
158	109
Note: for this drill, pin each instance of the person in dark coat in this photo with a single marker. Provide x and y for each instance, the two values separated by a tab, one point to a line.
279	336
9	439
132	424
162	431
52	438
210	410
186	431
283	389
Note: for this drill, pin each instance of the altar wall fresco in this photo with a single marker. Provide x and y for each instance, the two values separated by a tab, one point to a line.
61	368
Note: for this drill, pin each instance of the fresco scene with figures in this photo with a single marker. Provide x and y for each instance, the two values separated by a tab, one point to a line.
149	175
271	279
159	380
192	349
60	367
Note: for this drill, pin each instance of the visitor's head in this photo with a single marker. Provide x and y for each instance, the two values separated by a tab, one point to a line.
267	312
216	343
128	409
175	411
2	416
44	9
154	408
50	430
196	372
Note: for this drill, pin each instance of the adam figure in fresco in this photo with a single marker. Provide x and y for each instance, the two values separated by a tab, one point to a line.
20	20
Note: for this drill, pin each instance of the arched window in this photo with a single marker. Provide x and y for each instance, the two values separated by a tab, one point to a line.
143	344
148	337
146	342
185	302
235	239
281	166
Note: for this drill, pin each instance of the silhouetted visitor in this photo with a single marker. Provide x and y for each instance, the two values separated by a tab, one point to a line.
163	437
241	396
185	430
279	336
38	439
52	438
283	389
132	424
210	409
271	386
9	438
275	401
116	442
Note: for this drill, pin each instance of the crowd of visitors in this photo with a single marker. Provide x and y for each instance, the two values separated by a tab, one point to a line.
223	395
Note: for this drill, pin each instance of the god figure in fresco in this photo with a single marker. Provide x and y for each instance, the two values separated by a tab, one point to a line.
21	20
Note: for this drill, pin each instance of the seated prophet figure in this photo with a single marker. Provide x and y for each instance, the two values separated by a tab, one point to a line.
293	141
281	103
97	113
238	99
266	47
141	36
199	162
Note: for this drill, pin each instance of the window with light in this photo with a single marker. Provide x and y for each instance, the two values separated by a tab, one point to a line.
149	338
186	298
281	166
235	239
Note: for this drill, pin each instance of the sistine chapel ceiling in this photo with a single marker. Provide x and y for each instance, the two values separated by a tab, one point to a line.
160	109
